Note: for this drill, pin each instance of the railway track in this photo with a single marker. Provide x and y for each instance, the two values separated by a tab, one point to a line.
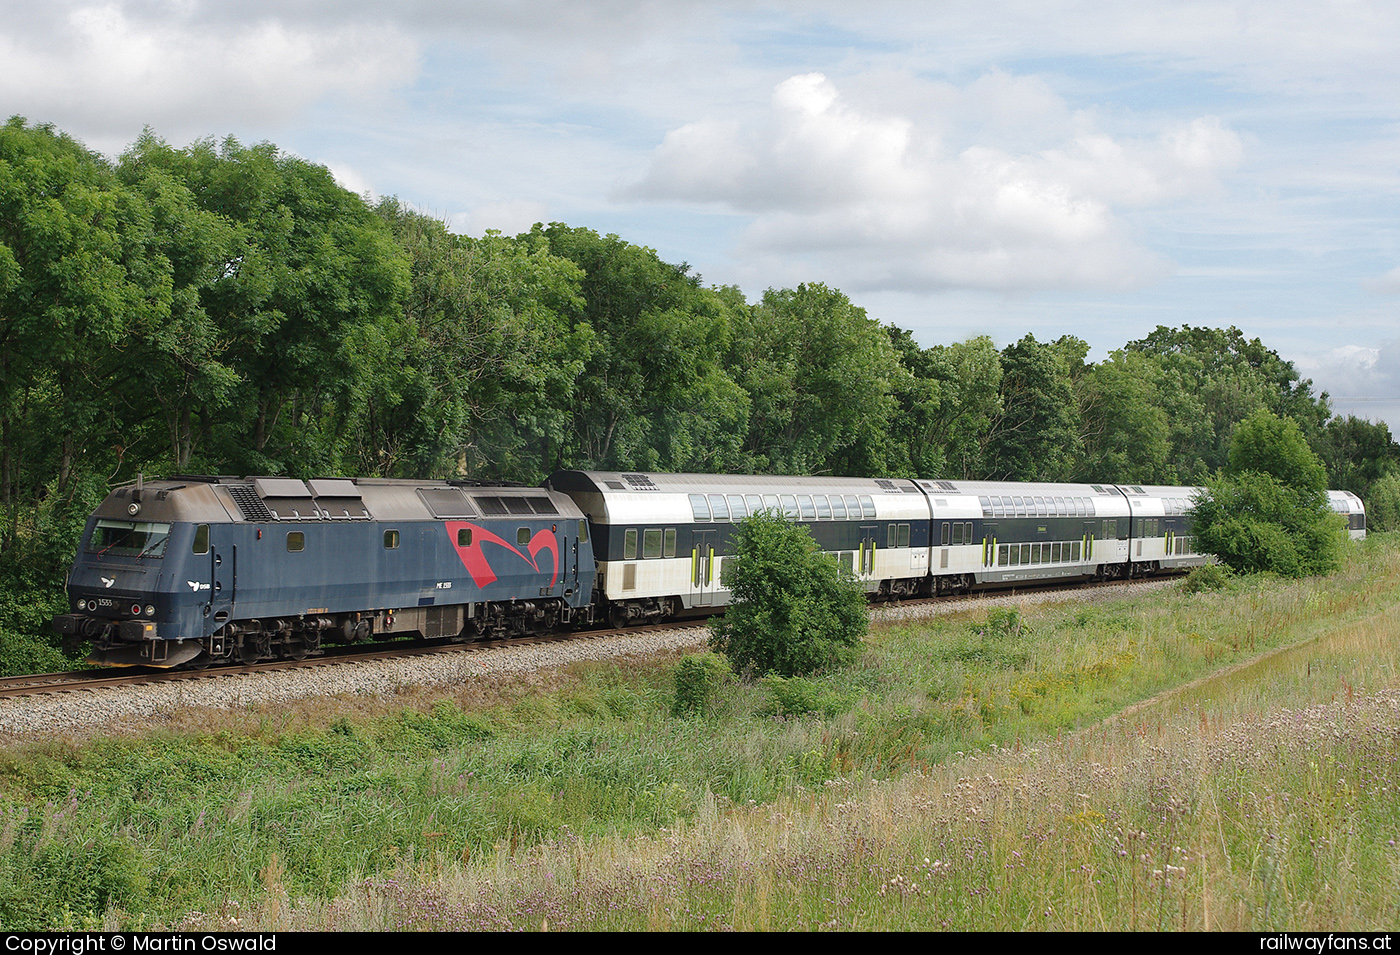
41	684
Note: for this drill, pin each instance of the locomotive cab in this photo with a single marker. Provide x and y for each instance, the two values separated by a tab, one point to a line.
142	586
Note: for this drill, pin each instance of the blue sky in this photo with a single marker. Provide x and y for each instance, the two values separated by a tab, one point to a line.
988	167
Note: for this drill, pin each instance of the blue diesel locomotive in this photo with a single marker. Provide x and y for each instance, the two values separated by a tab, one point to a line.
193	570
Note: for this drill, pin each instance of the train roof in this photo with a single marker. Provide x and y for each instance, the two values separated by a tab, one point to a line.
1345	502
617	497
224	499
1105	500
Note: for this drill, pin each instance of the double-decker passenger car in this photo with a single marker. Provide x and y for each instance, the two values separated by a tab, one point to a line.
203	568
661	540
1352	510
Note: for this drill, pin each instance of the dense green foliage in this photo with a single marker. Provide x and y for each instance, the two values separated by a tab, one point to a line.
1267	511
794	610
223	308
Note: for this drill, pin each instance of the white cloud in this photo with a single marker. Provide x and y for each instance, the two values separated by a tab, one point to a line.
510	216
1353	373
109	69
935	197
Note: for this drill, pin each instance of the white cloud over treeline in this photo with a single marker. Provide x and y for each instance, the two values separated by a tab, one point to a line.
997	184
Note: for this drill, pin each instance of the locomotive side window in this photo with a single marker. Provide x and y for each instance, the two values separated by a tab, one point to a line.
464	536
391	539
201	540
629	544
522	535
582	532
296	541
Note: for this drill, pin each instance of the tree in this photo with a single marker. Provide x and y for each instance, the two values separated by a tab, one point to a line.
1267	511
1219	378
306	302
487	367
821	377
795	611
1358	453
654	394
1036	437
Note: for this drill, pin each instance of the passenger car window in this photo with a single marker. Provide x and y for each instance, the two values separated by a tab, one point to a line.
699	507
629	544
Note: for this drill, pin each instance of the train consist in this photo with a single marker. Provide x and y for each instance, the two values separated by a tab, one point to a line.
195	570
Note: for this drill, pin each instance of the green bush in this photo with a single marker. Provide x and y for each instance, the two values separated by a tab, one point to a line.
795	611
1005	622
698	676
1383	504
1254	523
1268	510
1208	577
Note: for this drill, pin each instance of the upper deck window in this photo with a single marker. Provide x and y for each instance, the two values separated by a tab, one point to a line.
129	538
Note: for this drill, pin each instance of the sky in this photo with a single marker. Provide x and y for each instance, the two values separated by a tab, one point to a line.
998	167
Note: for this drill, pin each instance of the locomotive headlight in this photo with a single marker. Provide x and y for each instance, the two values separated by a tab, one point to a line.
150	610
133	508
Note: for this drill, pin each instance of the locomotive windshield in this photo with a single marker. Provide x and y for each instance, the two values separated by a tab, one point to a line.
129	538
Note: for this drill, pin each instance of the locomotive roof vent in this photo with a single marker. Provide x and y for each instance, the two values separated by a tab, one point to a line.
249	504
287	498
447	503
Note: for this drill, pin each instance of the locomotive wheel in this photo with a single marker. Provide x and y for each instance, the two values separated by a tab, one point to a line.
256	646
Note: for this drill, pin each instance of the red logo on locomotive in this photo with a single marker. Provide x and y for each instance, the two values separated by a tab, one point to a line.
474	559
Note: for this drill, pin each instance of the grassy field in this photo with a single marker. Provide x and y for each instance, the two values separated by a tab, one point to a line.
1175	761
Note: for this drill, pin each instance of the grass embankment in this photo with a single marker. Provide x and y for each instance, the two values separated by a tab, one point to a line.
943	781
